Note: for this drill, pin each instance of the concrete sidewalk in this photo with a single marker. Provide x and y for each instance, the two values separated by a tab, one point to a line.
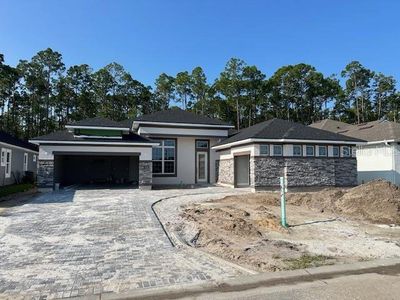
364	280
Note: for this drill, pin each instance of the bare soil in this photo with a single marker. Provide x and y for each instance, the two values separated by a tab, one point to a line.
326	227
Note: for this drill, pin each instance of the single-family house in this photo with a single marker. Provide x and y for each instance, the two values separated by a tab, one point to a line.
379	158
177	147
17	158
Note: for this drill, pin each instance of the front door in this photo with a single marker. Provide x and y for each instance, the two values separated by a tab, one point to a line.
242	171
202	167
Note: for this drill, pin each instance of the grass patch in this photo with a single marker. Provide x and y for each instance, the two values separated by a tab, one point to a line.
15	188
307	261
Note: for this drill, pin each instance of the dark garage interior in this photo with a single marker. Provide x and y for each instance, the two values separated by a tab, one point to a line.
96	169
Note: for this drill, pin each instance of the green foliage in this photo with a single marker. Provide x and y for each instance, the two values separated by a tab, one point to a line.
40	95
15	188
307	261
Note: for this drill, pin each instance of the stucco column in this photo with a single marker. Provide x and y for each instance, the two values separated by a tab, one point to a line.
45	174
145	174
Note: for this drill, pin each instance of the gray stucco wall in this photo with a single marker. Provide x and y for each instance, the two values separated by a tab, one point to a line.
17	165
305	172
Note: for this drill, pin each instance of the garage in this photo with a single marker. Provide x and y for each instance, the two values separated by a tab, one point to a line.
96	169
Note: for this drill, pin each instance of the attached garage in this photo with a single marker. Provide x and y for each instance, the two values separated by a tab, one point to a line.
96	168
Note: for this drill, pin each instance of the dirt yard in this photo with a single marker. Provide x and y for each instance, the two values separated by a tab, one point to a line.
326	227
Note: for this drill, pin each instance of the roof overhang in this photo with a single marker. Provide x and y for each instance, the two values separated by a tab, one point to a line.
136	124
105	143
18	147
97	127
381	142
258	140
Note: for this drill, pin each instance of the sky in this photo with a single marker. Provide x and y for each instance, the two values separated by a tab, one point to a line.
149	37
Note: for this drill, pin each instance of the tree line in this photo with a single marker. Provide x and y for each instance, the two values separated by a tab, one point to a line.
41	95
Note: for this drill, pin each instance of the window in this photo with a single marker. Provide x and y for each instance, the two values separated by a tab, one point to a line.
346	151
34	157
164	157
264	149
322	151
8	163
3	157
202	144
309	150
335	151
25	161
297	150
277	150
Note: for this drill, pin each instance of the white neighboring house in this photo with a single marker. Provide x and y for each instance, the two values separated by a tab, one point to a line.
17	157
380	157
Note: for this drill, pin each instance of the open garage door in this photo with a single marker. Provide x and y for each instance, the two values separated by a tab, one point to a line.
93	168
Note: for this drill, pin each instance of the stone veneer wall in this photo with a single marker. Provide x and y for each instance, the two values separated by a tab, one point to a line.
145	174
45	174
304	171
224	171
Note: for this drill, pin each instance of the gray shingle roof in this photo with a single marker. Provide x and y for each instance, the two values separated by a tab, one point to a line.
281	129
11	140
371	131
67	136
102	122
180	116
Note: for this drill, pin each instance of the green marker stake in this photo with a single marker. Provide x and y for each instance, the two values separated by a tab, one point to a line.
283	203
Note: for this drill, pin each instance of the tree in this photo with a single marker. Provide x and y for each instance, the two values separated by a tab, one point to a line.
358	79
384	88
183	87
164	92
230	85
255	91
199	88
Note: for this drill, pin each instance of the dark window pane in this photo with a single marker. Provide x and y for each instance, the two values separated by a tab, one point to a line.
169	143
169	154
202	144
169	167
277	150
157	153
264	149
310	150
297	150
336	151
157	167
322	151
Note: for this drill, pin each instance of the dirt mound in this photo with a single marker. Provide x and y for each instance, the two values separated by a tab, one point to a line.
377	201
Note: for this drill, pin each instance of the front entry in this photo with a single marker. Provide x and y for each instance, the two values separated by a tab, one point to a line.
201	167
242	171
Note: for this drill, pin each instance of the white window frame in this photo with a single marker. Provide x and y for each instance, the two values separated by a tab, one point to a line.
3	157
273	150
163	147
313	154
8	164
301	150
338	151
322	147
265	146
25	162
346	147
34	158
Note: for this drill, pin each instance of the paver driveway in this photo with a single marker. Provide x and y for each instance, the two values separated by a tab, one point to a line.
84	242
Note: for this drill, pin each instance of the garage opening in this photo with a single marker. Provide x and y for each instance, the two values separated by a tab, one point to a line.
96	169
242	170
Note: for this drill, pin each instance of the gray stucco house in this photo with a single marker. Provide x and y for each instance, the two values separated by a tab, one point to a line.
181	148
17	157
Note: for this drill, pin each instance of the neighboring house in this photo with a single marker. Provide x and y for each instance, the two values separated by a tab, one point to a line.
17	157
176	147
380	156
257	156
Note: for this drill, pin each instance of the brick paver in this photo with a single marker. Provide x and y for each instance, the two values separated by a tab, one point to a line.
84	242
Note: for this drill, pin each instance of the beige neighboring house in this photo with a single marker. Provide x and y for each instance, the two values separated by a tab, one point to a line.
380	157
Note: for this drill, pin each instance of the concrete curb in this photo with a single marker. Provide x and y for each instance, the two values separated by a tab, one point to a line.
383	266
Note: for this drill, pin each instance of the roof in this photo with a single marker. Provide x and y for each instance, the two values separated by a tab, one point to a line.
66	136
11	140
102	122
331	125
374	131
180	116
277	129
